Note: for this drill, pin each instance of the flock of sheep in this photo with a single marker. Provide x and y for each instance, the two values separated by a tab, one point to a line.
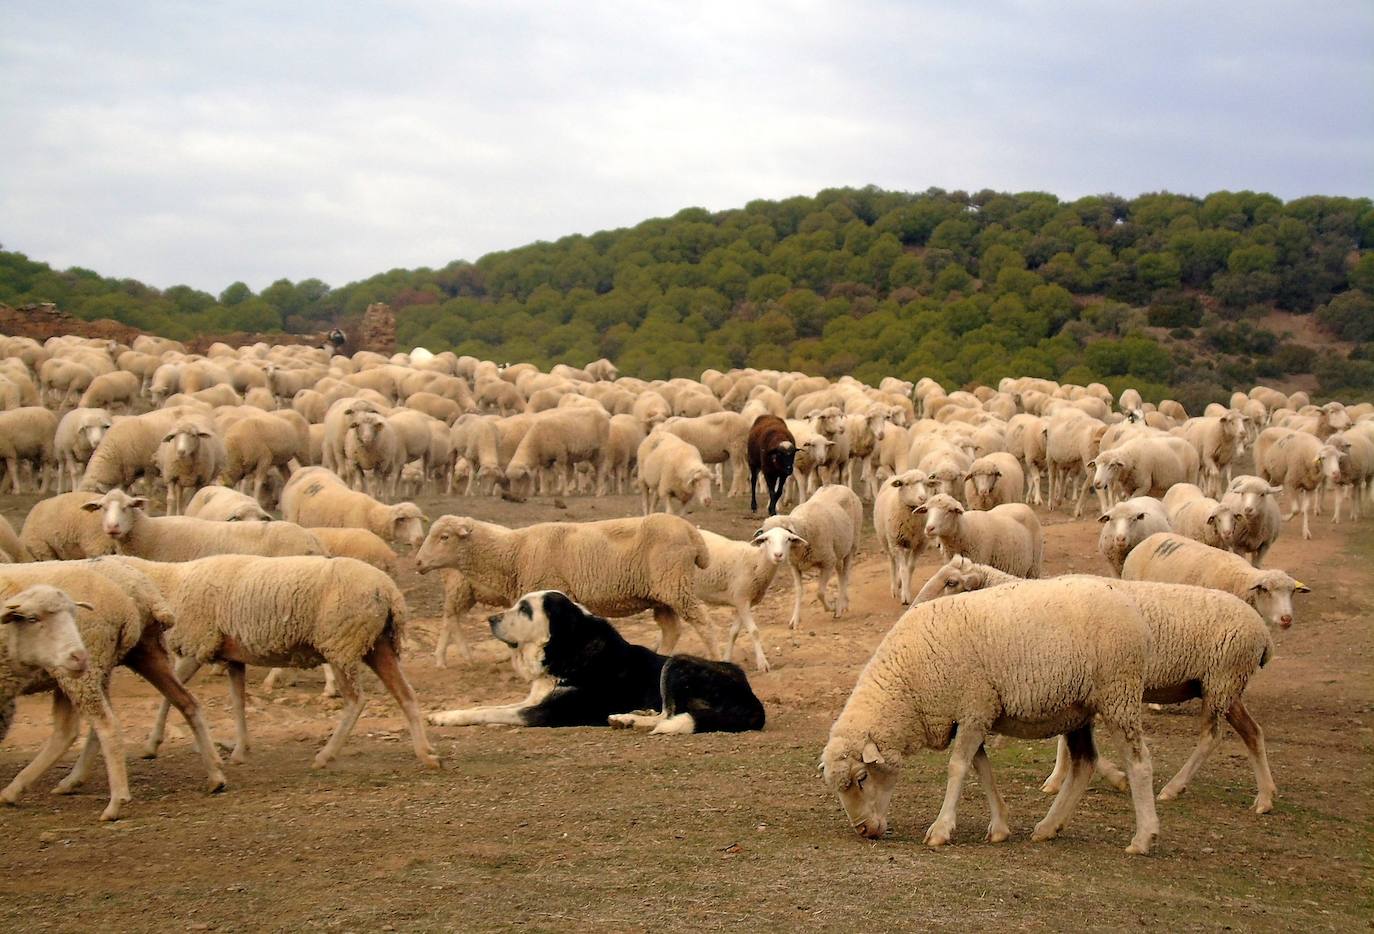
219	442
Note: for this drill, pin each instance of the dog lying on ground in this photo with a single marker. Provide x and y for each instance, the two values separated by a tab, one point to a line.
586	674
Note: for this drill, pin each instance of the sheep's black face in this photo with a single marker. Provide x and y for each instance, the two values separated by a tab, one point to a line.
781	461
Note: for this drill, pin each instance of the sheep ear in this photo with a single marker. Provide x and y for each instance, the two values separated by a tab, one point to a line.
794	537
204	434
920	509
871	755
138	502
1212	520
168	437
83	604
1274	490
1300	587
1103	518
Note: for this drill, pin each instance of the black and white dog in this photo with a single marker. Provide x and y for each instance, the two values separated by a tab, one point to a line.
586	674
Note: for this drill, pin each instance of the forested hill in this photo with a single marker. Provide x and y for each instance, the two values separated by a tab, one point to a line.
1165	289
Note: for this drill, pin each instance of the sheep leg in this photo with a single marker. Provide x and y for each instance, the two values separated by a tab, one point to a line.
1206	745
842	593
455	605
237	694
744	616
1253	737
185	670
796	596
65	726
81	768
331	687
822	586
382	659
906	566
1081	754
669	630
998	829
1061	771
894	580
1141	775
967	742
353	708
151	662
1306	505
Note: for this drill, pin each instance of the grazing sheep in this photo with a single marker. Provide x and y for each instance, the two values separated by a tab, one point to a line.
316	498
559	440
1126	525
112	390
1205	644
1258	518
189	457
828	525
1200	517
994	479
671	473
772	450
301	612
1291	459
950	672
615	567
900	529
1173	559
1007	537
78	435
718	437
26	438
739	575
221	504
182	538
123	624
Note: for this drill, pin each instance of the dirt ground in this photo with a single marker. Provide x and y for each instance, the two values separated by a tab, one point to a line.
588	829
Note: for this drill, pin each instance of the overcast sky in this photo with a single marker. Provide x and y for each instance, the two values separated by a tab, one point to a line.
200	143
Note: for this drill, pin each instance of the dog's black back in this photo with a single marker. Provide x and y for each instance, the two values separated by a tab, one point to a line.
716	694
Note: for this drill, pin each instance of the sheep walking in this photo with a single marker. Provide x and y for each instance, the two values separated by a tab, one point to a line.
182	538
738	576
298	612
1007	537
951	672
827	527
1126	525
900	529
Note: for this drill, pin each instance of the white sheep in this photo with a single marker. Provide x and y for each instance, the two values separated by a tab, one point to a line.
78	435
182	538
26	439
129	449
950	672
671	472
1144	466
900	529
994	479
829	525
302	611
1258	518
1126	525
189	457
257	445
1007	537
1205	643
1200	517
373	454
1219	440
112	390
1291	459
615	567
123	624
60	528
559	440
221	504
739	575
316	498
1173	559
1352	473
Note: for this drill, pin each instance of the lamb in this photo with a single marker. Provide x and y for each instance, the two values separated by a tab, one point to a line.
1258	519
123	625
1007	537
560	439
181	538
671	472
190	456
900	530
1126	525
78	435
1205	644
828	525
1291	459
255	446
739	575
26	437
1171	558
221	504
772	450
301	611
994	479
952	671
1200	517
654	559
316	498
112	390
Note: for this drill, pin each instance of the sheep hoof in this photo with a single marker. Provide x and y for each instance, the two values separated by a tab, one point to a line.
1051	787
1169	793
936	836
66	786
1140	846
216	784
1042	833
1119	782
320	761
1263	805
238	757
149	752
440	663
998	834
113	809
431	761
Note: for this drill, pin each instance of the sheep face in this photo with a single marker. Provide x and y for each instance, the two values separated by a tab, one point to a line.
777	543
863	781
946	479
698	481
781	459
828	421
38	629
367	425
1223	522
119	511
957	577
1329	463
942	514
407	524
449	537
1107	469
1122	526
185	440
93	431
985	481
248	512
911	487
1272	597
1251	491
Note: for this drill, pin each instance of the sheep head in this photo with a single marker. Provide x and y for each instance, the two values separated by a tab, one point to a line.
119	512
38	630
859	774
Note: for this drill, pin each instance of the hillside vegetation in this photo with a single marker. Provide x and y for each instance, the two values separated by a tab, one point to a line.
1164	290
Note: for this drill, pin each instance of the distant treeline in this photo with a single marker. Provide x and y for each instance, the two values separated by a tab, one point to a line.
961	287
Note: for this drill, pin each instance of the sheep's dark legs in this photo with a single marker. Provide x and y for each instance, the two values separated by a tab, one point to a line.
382	659
1253	737
1081	754
186	669
149	659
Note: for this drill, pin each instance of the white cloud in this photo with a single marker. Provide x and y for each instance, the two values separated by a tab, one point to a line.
181	142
